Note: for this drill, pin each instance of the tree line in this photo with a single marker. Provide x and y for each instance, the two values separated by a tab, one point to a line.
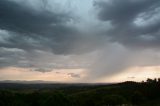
126	93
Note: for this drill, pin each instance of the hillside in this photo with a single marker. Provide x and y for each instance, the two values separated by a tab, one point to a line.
121	94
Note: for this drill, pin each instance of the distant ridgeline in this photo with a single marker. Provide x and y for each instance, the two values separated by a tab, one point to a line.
145	93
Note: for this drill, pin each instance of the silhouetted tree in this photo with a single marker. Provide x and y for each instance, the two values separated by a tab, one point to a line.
158	80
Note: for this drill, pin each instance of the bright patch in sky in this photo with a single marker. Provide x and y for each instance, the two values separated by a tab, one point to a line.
59	75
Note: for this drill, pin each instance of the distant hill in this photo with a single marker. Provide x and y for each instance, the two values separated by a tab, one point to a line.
27	82
35	93
39	84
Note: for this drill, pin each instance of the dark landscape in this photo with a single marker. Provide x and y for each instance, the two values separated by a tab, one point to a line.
46	94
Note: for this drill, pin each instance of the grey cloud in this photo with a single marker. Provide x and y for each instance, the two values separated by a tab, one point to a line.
21	18
74	75
42	29
42	69
124	34
124	15
111	59
33	29
115	58
39	60
10	56
124	11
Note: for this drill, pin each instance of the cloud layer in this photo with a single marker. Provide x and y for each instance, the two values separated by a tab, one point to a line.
105	37
135	23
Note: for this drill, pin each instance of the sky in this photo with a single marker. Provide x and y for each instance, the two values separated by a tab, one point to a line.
79	40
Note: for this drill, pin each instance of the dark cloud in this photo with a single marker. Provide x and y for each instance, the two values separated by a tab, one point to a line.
10	57
74	75
133	21
132	37
124	11
39	60
42	37
36	29
43	70
20	18
29	29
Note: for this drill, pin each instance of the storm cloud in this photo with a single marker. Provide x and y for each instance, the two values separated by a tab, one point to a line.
135	23
104	37
36	29
133	37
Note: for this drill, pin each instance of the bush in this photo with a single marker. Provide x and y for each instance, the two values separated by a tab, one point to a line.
113	100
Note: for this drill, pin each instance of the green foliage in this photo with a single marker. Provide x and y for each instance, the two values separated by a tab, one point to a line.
112	100
137	97
56	99
139	94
